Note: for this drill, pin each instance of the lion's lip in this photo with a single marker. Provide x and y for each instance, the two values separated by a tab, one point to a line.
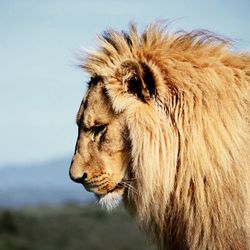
101	192
118	186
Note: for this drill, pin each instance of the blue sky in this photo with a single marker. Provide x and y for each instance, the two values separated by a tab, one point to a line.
40	85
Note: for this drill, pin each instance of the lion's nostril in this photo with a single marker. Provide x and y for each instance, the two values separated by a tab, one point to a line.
84	176
79	179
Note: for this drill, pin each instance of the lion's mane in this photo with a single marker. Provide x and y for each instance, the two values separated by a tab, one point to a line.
189	130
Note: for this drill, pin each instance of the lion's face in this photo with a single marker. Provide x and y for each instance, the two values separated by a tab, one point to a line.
100	161
104	154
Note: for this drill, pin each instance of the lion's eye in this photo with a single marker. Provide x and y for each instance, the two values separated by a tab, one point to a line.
99	129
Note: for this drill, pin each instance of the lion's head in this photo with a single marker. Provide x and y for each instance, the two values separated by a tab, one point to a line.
100	161
165	125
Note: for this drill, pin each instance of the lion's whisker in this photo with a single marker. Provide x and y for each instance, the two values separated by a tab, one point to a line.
130	179
129	186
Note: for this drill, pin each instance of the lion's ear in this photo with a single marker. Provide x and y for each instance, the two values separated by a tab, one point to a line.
137	79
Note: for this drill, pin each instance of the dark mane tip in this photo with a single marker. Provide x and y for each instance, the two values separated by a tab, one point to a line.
94	80
107	36
127	38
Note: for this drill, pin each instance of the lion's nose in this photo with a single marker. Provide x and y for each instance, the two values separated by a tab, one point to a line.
77	172
78	179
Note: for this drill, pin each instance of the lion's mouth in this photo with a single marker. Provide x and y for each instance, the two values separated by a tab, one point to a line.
108	195
102	189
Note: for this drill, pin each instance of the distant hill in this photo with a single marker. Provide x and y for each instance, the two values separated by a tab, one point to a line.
40	184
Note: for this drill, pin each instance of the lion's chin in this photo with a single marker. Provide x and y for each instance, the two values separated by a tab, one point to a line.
111	200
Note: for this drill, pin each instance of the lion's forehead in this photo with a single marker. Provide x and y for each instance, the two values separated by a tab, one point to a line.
96	107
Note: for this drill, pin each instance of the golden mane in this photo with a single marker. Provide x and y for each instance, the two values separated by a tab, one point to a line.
190	136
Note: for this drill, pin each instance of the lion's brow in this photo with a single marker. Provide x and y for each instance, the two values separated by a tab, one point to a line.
80	123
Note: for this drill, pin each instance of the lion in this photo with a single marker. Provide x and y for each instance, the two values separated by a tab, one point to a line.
164	126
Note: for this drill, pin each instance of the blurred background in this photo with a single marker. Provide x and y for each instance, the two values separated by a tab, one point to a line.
41	87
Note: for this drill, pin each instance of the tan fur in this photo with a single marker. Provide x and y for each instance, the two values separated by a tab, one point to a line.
187	139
